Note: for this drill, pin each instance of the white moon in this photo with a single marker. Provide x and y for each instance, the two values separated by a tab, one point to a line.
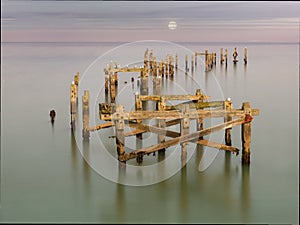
172	25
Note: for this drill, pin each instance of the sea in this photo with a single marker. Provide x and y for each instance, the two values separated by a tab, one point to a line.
50	175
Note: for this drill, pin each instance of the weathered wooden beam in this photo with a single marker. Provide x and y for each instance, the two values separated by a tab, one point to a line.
184	130
194	114
197	105
172	122
183	138
101	126
218	146
120	138
172	97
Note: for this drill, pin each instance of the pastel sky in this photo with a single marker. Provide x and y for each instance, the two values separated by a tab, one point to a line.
95	21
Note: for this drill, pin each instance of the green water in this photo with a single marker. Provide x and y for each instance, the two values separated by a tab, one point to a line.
44	177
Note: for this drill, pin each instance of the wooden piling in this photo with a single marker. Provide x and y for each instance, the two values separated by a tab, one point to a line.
112	85
214	58
186	63
235	55
245	55
184	129
176	61
226	56
73	104
193	62
167	66
221	56
246	133
199	121
119	125
228	107
206	61
161	123
138	107
85	115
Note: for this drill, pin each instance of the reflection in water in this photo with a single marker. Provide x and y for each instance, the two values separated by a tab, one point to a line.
120	195
74	150
184	196
245	193
86	168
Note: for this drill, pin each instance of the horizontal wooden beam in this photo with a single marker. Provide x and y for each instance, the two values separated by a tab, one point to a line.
197	105
184	138
172	97
218	146
194	114
101	126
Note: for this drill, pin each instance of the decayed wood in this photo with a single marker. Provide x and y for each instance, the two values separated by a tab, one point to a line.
173	97
228	107
246	134
218	146
119	124
194	114
85	115
101	126
172	122
184	130
182	139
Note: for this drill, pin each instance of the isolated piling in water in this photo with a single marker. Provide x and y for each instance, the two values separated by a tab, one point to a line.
186	63
73	103
221	56
176	61
245	55
235	55
52	115
161	123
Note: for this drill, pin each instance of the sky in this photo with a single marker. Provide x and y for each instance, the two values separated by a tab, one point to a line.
126	21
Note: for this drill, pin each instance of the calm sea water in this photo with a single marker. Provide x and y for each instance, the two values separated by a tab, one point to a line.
45	178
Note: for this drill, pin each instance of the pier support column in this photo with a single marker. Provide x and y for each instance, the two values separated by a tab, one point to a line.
246	133
226	56
228	106
206	61
176	61
161	123
86	115
106	77
221	56
112	88
73	104
199	121
186	63
235	55
120	138
193	62
184	129
138	107
245	55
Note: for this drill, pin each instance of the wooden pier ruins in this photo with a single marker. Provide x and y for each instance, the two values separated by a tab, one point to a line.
194	107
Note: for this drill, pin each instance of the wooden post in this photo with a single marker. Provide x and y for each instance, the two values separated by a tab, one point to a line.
106	82
162	69
206	60
119	125
176	62
235	54
193	62
154	70
195	59
161	123
186	63
138	107
226	56
146	68
221	56
199	121
167	66
116	78
214	58
112	87
246	133
184	129
151	62
86	115
171	66
227	106
245	55
73	104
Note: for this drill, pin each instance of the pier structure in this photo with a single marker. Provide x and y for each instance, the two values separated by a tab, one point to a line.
194	108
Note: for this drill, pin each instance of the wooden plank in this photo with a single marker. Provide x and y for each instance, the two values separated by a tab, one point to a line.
218	146
194	114
148	128
183	138
101	126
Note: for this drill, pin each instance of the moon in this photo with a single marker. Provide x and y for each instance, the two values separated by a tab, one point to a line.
172	25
